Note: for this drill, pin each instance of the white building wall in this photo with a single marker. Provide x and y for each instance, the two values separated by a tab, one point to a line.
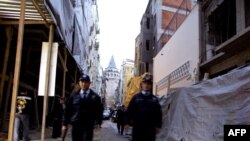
93	58
182	48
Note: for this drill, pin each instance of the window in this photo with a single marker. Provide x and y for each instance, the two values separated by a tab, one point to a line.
222	23
247	12
148	23
147	45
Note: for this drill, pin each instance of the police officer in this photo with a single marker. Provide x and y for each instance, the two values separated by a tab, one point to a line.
83	110
144	113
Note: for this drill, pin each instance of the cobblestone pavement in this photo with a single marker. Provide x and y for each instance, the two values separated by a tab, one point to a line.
108	132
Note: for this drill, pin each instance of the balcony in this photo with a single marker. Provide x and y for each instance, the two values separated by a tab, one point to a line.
230	47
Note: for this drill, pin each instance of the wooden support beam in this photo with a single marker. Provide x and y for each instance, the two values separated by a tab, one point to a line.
37	31
64	72
16	22
45	99
36	108
62	60
7	100
9	33
17	70
40	11
75	77
21	84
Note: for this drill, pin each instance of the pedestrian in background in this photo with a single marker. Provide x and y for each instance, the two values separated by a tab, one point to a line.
121	119
22	116
144	113
57	117
83	109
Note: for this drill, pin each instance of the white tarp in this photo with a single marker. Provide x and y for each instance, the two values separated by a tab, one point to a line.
43	69
199	112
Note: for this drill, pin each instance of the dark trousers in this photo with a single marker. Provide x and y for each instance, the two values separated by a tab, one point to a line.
120	128
80	133
143	134
57	127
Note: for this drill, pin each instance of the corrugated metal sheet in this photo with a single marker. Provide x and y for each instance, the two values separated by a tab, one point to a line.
10	9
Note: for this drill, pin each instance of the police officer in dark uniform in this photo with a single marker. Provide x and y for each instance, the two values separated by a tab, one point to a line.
83	110
144	113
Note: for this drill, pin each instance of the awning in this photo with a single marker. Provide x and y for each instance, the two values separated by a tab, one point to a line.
35	13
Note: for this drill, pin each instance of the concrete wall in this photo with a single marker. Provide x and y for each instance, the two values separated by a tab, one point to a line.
183	47
137	55
147	34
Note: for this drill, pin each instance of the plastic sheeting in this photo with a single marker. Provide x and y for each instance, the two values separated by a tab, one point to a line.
133	88
199	112
72	26
63	14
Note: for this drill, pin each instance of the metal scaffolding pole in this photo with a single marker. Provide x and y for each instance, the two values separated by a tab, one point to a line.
17	70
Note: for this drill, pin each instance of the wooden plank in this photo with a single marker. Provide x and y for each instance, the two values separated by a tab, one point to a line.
45	98
40	11
36	108
7	100
29	22
9	33
17	70
22	84
62	60
237	41
64	72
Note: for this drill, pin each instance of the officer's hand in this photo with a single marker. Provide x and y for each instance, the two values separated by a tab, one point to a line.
18	114
99	126
126	126
64	128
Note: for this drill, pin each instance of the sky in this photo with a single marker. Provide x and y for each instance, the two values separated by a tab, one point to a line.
119	22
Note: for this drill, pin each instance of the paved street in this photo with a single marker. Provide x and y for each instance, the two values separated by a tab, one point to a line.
108	132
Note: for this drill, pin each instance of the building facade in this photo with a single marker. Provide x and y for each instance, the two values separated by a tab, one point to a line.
127	72
159	22
177	64
137	66
112	78
225	40
93	47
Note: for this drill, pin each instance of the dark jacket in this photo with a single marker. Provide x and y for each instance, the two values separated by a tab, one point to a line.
144	114
121	116
83	111
144	111
58	110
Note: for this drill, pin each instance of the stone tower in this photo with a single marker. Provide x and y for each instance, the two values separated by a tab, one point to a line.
112	76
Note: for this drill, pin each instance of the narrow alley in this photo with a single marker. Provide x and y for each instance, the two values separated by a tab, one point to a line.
175	70
108	132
